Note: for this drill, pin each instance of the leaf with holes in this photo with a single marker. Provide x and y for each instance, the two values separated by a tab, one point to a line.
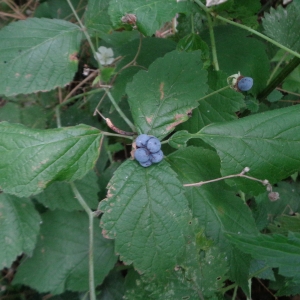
61	259
163	97
268	143
38	55
31	159
146	213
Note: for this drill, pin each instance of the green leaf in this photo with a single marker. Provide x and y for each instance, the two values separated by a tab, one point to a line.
267	143
57	9
31	159
274	96
284	224
204	264
20	224
222	105
192	42
60	260
38	55
239	52
146	212
282	25
162	97
292	82
179	139
256	268
112	287
245	11
151	49
97	20
217	209
140	288
150	16
87	187
277	250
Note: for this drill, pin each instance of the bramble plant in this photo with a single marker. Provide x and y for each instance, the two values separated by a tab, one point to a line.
149	149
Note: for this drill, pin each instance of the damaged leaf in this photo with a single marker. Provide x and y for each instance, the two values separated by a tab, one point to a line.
167	92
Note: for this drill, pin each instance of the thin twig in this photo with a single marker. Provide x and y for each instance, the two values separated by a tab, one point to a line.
242	174
288	92
212	42
266	289
136	55
93	74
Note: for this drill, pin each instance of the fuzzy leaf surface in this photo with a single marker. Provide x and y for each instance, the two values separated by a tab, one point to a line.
268	143
31	159
277	250
150	15
146	213
60	260
20	224
162	97
283	25
38	55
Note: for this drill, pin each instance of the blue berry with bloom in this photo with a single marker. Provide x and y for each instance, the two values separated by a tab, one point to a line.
141	155
148	150
245	84
153	145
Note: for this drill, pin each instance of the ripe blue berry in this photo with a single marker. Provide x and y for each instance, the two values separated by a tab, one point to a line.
141	155
142	140
245	84
157	156
146	164
153	145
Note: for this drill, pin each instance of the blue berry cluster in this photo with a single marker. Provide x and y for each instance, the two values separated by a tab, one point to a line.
245	84
148	150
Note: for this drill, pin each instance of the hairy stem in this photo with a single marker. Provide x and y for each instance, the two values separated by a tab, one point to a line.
91	239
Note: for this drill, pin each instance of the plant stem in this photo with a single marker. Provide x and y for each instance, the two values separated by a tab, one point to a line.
213	42
84	31
277	67
248	29
192	24
294	63
117	135
118	109
234	292
242	174
215	92
91	239
91	92
57	114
